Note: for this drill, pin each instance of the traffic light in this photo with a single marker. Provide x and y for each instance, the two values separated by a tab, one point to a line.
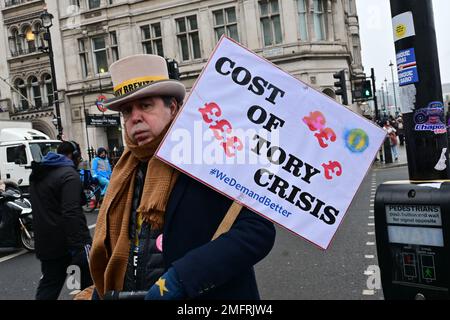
172	68
341	86
367	93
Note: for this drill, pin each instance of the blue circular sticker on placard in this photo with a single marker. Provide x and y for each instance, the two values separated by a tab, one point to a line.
357	140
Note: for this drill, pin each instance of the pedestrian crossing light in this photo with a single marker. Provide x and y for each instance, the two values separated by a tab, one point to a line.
367	90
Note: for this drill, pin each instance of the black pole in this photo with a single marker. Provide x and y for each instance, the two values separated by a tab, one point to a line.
85	119
374	89
55	87
100	83
424	148
387	93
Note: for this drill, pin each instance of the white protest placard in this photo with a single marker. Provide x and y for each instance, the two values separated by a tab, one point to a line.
267	140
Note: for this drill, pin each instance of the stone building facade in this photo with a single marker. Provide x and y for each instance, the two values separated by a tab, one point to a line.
310	39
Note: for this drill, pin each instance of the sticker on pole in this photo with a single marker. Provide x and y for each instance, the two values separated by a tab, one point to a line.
403	25
407	67
269	141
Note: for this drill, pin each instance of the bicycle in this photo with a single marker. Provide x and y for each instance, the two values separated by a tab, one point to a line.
92	191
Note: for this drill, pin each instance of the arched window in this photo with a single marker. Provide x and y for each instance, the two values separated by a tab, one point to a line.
329	92
36	91
30	39
39	34
13	35
18	42
23	96
48	88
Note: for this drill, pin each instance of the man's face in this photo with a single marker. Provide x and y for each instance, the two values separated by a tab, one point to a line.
146	118
103	155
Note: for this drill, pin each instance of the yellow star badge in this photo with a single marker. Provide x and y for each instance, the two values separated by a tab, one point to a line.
161	283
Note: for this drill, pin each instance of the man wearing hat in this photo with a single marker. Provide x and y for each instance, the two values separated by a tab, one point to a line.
155	228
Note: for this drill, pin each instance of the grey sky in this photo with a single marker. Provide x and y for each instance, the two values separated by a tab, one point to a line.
378	42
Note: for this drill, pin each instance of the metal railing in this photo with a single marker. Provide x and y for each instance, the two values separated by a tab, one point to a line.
22	52
10	3
25	107
113	155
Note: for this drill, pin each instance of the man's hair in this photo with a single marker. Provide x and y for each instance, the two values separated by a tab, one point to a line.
168	100
66	148
101	150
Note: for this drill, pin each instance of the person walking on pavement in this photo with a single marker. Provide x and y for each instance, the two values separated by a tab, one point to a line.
155	228
393	140
101	169
401	130
62	236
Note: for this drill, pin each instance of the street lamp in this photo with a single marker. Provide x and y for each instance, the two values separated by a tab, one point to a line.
47	23
387	92
393	86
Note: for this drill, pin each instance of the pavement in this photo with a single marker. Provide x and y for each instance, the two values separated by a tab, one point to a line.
401	162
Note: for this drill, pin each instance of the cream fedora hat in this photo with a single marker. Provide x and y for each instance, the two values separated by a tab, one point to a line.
140	76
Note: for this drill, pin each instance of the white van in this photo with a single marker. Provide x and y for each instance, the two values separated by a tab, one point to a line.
18	148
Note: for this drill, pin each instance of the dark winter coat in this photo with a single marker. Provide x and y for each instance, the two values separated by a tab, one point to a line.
56	196
220	269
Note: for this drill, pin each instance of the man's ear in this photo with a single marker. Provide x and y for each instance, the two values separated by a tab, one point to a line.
174	108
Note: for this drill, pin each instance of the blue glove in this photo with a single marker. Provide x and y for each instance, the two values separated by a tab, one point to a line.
168	287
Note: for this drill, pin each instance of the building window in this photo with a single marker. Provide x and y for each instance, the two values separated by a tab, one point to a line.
75	3
270	22
39	34
114	46
94	4
36	92
48	88
152	39
30	39
225	22
23	96
13	42
83	57
319	19
19	44
100	55
302	12
188	38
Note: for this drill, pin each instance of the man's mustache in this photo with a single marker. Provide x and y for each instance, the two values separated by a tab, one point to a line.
137	128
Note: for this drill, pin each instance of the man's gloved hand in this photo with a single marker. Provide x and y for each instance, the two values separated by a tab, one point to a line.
168	287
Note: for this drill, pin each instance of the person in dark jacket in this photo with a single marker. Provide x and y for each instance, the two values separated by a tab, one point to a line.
62	237
155	229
